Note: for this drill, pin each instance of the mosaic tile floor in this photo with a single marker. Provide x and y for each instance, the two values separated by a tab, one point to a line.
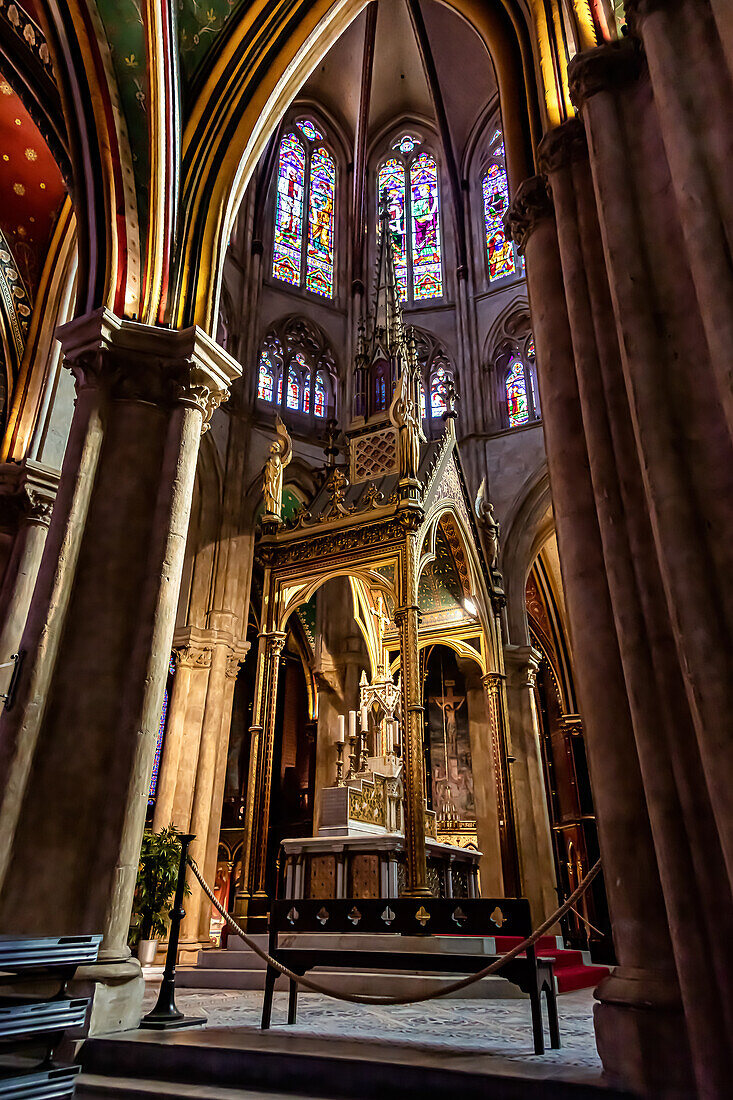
498	1029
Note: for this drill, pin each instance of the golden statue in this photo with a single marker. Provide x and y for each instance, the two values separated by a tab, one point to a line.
281	451
403	415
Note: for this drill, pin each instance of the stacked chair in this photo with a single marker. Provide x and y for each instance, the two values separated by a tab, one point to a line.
36	1012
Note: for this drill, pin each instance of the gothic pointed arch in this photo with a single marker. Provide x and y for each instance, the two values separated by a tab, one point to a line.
296	372
249	101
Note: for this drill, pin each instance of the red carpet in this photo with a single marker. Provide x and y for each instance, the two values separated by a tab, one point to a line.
570	970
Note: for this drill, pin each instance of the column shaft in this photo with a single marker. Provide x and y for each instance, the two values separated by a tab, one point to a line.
408	620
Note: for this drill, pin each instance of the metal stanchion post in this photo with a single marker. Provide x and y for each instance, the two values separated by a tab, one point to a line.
165	1015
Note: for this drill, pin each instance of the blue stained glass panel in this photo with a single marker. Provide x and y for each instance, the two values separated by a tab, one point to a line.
309	129
293	401
159	743
427	273
437	384
319	401
289	211
319	259
499	251
264	380
516	395
391	187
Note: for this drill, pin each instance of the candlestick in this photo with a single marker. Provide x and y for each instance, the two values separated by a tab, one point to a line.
340	760
340	730
353	762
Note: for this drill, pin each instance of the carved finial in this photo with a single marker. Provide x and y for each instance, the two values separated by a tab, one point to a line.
337	488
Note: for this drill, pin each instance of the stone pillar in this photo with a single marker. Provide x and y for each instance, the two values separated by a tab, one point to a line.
407	620
259	782
483	766
80	740
640	1028
234	661
534	841
183	732
495	703
688	847
30	491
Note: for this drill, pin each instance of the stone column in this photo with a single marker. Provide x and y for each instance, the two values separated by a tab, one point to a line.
30	490
495	703
407	620
80	740
183	732
678	802
534	841
488	814
259	782
640	1027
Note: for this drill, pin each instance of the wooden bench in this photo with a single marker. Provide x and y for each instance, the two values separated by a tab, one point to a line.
393	918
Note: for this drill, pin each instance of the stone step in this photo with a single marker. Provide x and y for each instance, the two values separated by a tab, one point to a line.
220	1061
464	945
93	1086
399	984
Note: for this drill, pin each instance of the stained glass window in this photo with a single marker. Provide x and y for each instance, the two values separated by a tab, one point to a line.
438	382
293	389
159	740
422	402
319	397
406	143
499	250
516	394
427	277
319	260
530	348
391	188
289	213
309	129
265	379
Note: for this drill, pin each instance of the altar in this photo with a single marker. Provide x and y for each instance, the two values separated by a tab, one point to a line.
397	808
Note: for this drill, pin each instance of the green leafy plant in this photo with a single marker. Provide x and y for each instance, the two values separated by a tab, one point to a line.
156	883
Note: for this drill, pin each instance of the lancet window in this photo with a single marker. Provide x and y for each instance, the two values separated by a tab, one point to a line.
500	255
296	353
437	375
408	182
520	385
305	206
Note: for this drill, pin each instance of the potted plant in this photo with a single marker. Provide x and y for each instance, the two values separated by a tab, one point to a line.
156	883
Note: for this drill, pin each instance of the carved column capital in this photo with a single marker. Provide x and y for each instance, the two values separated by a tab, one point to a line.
637	10
603	69
193	656
532	203
27	492
147	363
522	663
562	146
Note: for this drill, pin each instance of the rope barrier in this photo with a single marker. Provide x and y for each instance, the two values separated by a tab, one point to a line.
375	999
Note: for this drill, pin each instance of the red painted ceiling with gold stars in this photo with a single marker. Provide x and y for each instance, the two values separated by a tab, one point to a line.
31	187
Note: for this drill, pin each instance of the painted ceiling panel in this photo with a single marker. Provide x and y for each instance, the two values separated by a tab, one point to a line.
199	24
32	188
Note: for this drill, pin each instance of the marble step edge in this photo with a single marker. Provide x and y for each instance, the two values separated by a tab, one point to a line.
377	941
219	1059
365	981
100	1087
